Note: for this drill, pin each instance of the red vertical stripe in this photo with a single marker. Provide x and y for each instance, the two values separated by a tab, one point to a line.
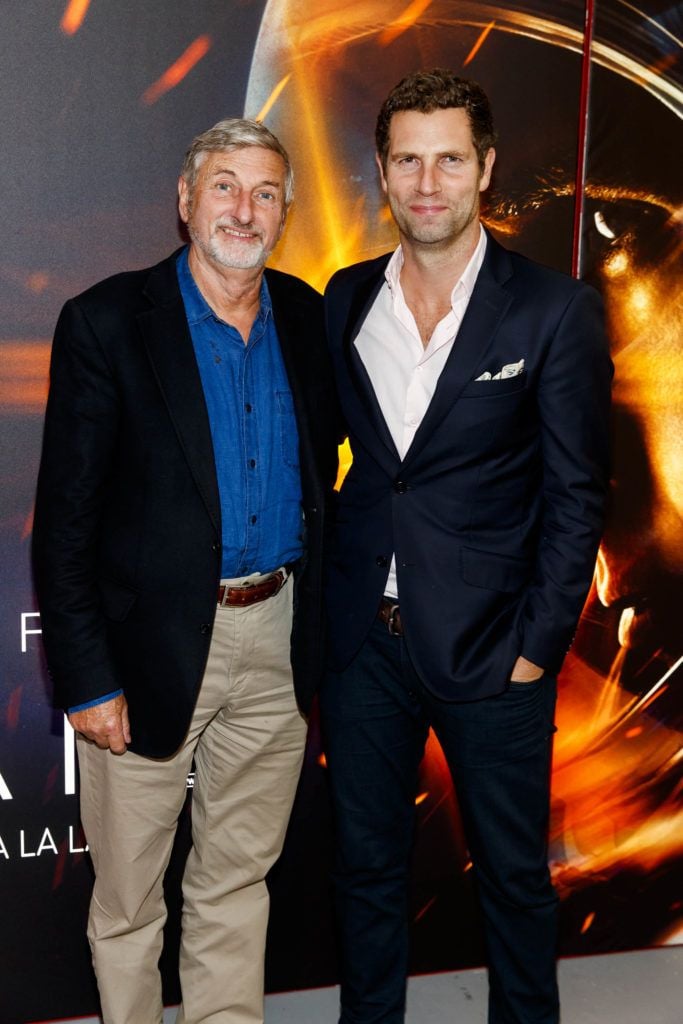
582	147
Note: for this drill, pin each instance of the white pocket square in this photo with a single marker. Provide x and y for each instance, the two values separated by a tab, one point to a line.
509	370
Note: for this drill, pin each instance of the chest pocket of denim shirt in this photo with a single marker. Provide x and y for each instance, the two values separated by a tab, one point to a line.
289	438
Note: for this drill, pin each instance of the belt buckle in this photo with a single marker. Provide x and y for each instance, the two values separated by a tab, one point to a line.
236	586
393	611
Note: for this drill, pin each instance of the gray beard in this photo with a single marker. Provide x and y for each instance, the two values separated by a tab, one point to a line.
254	259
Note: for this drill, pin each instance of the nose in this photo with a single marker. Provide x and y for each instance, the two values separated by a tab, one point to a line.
428	183
244	208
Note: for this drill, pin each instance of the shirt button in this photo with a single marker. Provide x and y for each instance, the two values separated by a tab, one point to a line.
253	519
252	463
248	407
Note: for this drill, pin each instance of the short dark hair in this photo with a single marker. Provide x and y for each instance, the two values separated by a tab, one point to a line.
438	89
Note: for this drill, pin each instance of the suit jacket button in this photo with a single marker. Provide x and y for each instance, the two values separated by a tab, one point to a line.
400	487
205	628
216	546
381	561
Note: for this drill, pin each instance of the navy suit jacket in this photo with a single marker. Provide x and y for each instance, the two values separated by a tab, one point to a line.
496	511
127	531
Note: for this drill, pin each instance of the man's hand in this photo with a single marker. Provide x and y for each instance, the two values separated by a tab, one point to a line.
525	671
105	724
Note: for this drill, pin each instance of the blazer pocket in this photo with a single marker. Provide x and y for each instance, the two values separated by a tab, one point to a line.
493	571
495	388
117	599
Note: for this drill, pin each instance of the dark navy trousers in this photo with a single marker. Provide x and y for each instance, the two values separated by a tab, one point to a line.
376	716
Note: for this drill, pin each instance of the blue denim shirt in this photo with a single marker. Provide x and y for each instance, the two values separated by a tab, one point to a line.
254	433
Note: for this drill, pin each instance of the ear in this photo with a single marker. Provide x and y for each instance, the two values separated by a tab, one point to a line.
382	177
183	200
485	178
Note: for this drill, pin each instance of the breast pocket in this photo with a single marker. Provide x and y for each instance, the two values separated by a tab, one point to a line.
495	388
289	438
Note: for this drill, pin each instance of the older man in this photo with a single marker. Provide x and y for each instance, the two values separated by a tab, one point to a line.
190	446
476	389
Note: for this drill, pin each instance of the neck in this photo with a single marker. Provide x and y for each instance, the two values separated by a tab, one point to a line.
234	295
434	269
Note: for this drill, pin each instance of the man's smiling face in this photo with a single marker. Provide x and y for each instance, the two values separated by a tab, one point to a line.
432	178
235	211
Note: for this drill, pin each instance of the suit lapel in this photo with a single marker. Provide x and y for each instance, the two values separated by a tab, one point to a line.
485	310
361	302
169	345
292	329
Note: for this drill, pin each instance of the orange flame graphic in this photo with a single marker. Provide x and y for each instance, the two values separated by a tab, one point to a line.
404	21
178	70
478	45
73	16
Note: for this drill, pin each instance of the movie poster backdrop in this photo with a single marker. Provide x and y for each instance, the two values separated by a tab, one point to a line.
101	100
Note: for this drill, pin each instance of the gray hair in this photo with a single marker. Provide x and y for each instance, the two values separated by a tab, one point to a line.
230	134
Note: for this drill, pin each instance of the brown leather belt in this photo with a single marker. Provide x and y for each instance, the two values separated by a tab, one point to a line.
253	591
390	613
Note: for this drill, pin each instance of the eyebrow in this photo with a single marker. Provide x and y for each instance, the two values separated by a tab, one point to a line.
220	171
400	154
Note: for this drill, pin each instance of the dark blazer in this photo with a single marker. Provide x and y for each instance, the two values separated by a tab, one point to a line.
496	511
127	528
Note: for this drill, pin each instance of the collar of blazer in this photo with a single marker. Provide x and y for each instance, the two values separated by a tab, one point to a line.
356	290
167	338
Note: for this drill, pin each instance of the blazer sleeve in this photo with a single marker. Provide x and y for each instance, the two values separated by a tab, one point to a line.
81	428
573	404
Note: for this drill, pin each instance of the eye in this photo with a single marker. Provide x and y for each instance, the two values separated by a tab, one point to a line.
224	186
266	197
451	159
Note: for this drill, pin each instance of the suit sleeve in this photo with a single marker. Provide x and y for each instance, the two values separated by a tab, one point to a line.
81	427
573	404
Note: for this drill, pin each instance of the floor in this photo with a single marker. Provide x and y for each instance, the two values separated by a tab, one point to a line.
620	988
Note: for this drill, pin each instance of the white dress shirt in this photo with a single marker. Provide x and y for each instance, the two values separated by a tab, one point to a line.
403	372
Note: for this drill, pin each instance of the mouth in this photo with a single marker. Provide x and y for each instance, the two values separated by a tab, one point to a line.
426	211
241	235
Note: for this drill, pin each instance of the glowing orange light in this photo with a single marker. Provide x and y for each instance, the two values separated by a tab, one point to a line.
655	696
468	867
322	761
421	913
617	264
37	282
13	705
345	460
28	526
272	99
587	923
73	16
478	45
632	733
420	799
178	70
404	21
24	376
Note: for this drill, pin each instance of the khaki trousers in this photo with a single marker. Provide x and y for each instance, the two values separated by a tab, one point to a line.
247	739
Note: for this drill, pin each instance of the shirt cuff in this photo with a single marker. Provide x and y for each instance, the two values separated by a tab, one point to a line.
93	703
